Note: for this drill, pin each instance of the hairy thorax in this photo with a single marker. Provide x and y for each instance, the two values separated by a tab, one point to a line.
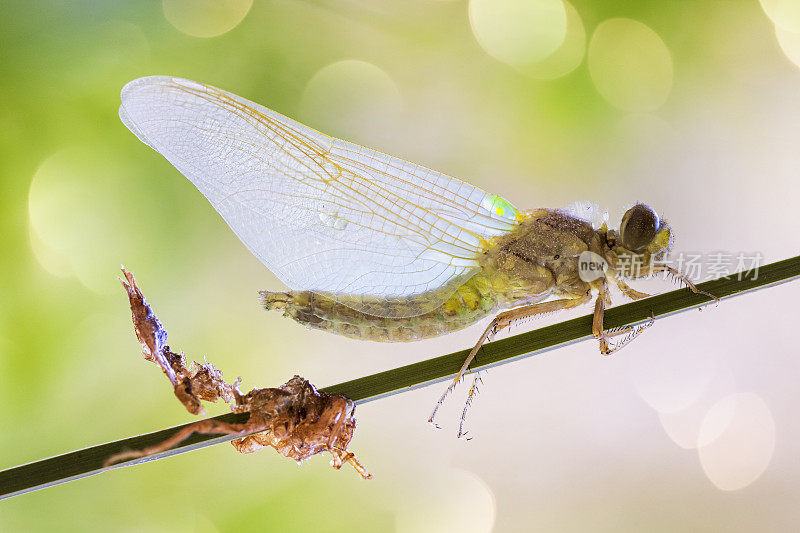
541	256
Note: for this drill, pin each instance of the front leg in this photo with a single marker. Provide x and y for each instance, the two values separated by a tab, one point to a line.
686	281
503	320
603	335
630	292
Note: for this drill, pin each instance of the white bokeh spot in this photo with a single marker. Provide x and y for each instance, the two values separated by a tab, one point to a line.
518	32
740	434
567	57
454	500
205	18
630	65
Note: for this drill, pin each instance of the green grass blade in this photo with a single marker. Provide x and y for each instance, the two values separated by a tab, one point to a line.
89	461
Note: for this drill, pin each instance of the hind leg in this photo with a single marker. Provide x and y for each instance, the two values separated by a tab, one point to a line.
501	321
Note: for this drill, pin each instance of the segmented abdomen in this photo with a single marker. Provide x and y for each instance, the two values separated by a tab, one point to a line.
471	302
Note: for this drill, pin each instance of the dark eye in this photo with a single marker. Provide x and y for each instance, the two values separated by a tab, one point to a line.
639	226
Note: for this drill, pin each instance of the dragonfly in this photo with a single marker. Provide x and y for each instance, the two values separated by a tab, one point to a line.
377	248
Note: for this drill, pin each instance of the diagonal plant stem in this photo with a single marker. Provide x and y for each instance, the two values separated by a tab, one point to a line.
89	461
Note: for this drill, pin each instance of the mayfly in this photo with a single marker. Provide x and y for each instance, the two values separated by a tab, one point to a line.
377	248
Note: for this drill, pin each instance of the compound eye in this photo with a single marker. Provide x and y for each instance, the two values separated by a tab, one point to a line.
639	226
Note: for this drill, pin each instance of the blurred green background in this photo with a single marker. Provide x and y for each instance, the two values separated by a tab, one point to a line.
692	107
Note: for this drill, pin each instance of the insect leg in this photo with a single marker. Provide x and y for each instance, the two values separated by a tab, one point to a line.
473	391
686	281
341	456
598	329
499	322
630	292
603	335
630	332
204	427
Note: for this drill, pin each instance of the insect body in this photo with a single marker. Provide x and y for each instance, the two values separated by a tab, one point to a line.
537	260
374	247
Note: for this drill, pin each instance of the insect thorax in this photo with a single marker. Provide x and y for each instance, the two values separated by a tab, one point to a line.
540	256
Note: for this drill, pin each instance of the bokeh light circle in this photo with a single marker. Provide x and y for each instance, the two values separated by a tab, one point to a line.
683	426
785	14
630	65
518	32
205	18
75	220
351	97
671	384
453	500
739	432
789	43
568	56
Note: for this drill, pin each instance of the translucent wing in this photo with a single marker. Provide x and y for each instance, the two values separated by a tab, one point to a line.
379	234
588	211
